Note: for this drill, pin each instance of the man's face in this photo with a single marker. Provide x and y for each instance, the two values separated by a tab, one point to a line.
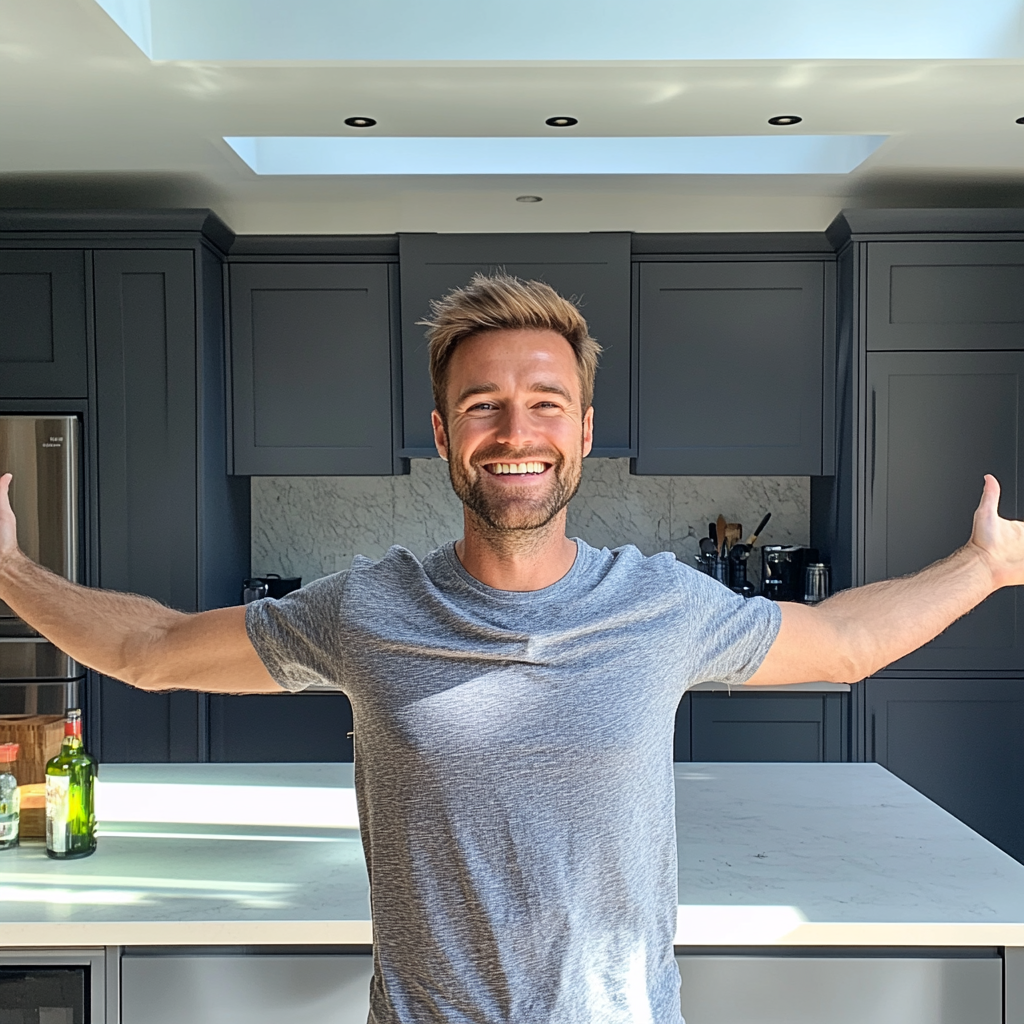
516	433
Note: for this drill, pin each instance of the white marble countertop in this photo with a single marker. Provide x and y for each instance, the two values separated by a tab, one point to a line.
769	854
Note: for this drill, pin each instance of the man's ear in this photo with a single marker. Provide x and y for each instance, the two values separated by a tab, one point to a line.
588	431
440	435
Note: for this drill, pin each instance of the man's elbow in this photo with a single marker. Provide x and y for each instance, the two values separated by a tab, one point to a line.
852	657
145	662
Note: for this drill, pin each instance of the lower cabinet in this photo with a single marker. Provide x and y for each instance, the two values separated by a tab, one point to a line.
960	742
801	989
281	727
259	989
772	726
303	988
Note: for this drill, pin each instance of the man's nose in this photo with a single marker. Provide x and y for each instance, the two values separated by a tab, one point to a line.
515	428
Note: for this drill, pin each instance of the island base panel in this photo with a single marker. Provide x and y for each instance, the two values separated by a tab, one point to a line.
259	989
841	990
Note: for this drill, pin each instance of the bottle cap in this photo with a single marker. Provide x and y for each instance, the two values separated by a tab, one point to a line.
73	723
9	752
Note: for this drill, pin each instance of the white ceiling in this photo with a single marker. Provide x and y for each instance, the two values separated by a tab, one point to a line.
87	119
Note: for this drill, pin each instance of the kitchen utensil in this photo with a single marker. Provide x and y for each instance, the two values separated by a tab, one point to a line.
720	533
738	582
707	546
815	583
720	569
752	539
733	533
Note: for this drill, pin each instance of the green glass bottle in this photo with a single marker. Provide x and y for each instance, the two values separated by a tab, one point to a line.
70	795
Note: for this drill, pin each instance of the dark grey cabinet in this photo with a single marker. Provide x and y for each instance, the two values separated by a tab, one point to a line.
42	324
958	741
171	524
731	363
775	726
281	727
592	269
311	357
945	295
937	422
930	366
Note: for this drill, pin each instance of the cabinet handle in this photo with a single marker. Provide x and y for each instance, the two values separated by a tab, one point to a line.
874	422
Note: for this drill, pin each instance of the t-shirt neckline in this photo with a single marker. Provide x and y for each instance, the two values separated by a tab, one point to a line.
456	570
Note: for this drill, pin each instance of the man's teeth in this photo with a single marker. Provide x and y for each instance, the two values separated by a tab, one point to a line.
516	467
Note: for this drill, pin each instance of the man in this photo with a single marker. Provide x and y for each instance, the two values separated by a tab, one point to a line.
514	693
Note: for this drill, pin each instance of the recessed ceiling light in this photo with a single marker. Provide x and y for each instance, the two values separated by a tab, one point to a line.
1020	120
529	199
784	119
360	122
561	122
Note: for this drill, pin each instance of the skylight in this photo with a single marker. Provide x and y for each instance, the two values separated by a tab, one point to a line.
569	30
729	154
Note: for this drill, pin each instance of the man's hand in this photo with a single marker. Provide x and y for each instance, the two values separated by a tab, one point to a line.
125	636
999	541
860	631
8	524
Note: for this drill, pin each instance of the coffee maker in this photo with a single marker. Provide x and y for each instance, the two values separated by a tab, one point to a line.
782	570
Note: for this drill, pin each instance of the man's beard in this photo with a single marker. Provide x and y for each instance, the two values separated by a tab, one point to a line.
510	511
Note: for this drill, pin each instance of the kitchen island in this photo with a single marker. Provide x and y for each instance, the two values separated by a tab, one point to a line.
807	892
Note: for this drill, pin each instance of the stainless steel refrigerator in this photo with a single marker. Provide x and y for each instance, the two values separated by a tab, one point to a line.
43	454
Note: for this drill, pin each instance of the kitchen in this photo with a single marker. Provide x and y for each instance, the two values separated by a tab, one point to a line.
164	518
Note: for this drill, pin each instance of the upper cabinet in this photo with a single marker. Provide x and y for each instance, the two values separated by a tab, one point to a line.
592	269
311	362
42	324
945	295
732	359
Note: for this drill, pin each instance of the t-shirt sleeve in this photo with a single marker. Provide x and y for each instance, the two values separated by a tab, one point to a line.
730	635
300	637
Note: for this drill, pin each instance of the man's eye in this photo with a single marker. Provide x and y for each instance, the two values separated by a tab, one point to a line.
481	407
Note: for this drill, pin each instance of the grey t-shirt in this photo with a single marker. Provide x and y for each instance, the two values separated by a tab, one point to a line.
513	765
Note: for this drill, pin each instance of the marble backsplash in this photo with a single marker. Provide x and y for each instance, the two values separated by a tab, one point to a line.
314	526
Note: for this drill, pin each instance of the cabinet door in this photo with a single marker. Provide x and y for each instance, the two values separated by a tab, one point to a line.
146	424
42	324
767	726
280	727
959	743
215	988
592	269
731	358
311	369
945	295
938	421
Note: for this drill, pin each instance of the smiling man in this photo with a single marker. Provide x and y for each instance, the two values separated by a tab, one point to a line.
514	693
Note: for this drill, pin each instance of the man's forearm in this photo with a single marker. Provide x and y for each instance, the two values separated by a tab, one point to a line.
101	629
880	623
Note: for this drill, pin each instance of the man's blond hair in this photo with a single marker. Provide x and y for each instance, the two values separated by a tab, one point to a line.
498	302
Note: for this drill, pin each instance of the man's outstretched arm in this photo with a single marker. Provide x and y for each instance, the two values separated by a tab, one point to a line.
860	631
125	636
